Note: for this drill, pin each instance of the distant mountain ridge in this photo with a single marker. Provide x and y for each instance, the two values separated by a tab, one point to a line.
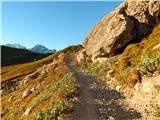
13	56
42	49
15	45
37	48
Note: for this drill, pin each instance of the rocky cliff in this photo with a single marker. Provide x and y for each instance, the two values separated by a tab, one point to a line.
128	23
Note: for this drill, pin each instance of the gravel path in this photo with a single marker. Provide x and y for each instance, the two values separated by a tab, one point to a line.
97	101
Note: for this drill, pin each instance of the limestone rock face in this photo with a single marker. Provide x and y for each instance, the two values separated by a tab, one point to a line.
131	21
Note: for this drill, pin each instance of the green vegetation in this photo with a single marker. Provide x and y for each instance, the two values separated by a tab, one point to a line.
131	58
141	56
95	69
20	70
48	102
157	113
99	69
53	89
67	82
52	112
157	87
149	64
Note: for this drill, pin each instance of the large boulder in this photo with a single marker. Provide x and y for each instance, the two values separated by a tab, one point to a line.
131	21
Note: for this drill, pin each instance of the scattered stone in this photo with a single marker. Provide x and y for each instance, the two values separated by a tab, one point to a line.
137	87
101	59
28	110
118	88
111	71
148	86
32	89
110	118
61	55
94	60
1	92
157	46
44	71
10	98
109	75
27	92
30	77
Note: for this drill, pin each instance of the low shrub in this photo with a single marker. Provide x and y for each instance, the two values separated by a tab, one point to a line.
149	64
157	111
122	77
53	112
157	87
99	69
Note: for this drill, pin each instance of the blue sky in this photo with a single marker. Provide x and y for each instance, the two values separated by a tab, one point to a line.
52	24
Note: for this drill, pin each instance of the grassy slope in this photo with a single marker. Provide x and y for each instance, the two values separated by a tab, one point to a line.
131	56
57	88
12	56
10	72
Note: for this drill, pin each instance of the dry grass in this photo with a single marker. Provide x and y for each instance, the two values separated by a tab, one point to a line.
14	71
54	86
129	60
131	56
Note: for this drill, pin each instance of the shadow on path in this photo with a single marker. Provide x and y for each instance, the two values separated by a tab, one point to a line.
98	102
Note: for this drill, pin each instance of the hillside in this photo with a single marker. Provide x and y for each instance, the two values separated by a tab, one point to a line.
133	72
38	86
12	56
115	75
122	50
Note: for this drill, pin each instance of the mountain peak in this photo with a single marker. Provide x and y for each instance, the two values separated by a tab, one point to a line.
38	48
42	49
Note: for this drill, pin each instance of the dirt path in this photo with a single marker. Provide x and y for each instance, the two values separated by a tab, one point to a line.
97	101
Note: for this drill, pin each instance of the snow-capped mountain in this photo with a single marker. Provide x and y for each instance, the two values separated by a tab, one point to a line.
42	49
37	48
16	45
